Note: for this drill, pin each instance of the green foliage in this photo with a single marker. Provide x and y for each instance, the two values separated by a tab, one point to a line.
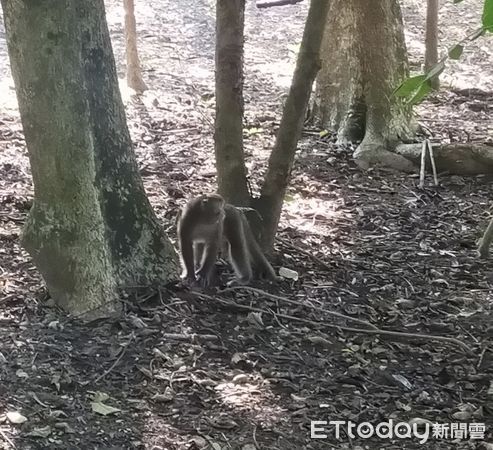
487	17
423	90
409	86
416	88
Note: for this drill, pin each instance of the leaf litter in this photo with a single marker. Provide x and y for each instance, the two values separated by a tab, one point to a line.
230	369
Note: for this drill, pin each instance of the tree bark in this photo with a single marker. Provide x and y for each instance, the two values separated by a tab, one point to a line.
339	103
364	50
431	39
134	72
230	162
282	157
91	230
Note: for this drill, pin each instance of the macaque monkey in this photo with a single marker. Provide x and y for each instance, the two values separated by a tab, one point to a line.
203	226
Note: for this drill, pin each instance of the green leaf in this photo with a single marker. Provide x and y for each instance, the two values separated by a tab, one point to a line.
436	70
420	93
409	85
458	1
487	17
323	133
456	51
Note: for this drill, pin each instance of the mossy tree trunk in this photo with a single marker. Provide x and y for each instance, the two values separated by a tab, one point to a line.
134	72
228	136
91	230
364	59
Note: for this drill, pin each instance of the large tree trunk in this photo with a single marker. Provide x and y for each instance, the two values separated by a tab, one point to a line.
339	101
91	229
431	39
230	163
282	157
364	50
134	73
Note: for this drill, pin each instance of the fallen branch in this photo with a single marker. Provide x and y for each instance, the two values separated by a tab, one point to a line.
396	334
423	165
293	302
432	159
474	158
277	3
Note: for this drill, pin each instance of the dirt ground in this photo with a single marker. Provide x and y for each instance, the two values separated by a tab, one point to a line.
181	371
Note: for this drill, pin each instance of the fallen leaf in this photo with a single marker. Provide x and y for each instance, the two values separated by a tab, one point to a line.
16	417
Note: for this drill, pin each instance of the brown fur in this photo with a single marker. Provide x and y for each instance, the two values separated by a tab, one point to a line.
202	226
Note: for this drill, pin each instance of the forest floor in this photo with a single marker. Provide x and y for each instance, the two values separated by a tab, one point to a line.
187	372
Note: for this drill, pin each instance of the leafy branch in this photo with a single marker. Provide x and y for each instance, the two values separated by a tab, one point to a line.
414	89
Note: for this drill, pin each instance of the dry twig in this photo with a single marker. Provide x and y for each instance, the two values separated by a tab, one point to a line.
104	374
295	303
277	3
190	337
432	159
423	164
6	438
396	334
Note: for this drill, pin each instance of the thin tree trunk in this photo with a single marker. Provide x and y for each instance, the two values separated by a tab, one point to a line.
230	163
91	230
282	157
134	72
431	39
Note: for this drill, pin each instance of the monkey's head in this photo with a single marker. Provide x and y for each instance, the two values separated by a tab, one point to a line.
212	208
